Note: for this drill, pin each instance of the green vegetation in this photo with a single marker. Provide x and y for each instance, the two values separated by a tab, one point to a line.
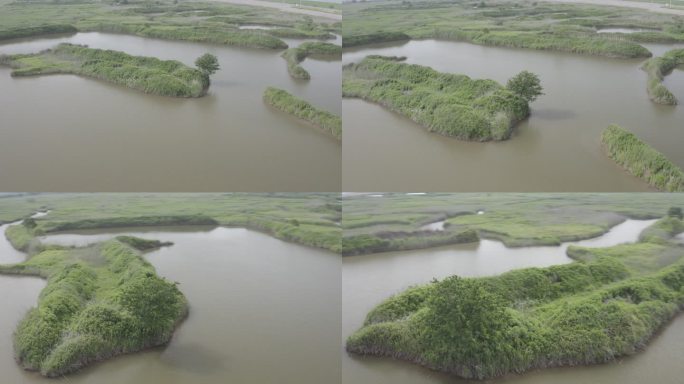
37	30
143	244
396	221
146	74
526	85
282	100
641	160
294	56
448	104
209	22
379	37
208	64
19	236
100	301
607	304
317	214
659	67
516	24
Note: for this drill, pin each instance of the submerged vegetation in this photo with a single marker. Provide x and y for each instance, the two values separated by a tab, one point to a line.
659	67
284	101
146	74
448	104
606	304
517	24
642	160
100	301
296	55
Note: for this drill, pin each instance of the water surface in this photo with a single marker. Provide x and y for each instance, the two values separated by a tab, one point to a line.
557	149
63	131
261	311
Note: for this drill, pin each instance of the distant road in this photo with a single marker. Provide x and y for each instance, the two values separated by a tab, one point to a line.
630	4
287	8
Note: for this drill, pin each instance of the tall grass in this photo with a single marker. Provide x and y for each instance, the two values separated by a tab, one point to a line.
36	30
284	101
100	301
659	67
146	74
448	104
642	160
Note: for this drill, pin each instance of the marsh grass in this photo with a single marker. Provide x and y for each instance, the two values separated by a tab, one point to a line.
607	304
642	160
284	101
146	74
657	68
448	104
100	301
294	56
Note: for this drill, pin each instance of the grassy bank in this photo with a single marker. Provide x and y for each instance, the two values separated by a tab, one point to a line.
448	104
146	74
209	22
641	160
393	241
294	56
100	301
520	24
284	101
659	67
303	218
373	224
608	303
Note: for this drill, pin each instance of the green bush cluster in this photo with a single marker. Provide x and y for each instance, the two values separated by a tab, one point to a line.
147	74
448	104
370	38
284	101
387	242
142	244
642	160
590	311
49	29
294	56
99	302
657	68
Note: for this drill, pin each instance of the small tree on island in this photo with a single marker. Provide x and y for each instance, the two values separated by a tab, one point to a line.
526	85
207	63
675	212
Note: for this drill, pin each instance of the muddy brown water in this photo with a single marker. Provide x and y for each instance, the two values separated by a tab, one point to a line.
362	290
64	132
261	311
557	149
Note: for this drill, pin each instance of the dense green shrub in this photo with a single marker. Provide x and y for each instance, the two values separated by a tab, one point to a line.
657	68
391	241
296	55
100	301
641	160
285	102
448	104
591	311
147	74
135	221
36	31
142	244
379	37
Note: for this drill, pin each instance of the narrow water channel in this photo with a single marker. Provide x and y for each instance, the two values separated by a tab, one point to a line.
557	149
260	310
362	290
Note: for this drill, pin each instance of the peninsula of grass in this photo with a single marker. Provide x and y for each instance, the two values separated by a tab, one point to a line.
642	160
607	304
284	101
296	55
398	241
100	301
41	30
146	74
449	104
525	24
659	67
